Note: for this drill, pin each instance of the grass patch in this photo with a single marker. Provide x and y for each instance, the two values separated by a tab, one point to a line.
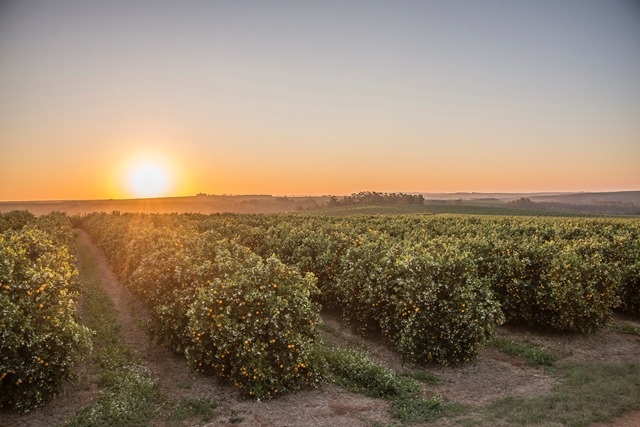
588	394
532	354
236	418
422	376
355	372
625	328
185	409
126	402
128	391
129	395
410	410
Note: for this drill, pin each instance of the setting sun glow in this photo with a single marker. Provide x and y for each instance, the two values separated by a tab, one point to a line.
148	179
106	100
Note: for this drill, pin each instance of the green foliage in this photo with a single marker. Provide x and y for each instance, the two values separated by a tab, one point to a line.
246	319
630	289
15	220
427	300
534	355
354	371
588	394
256	328
125	402
128	390
435	286
40	339
184	409
375	198
414	410
559	273
564	285
423	376
625	329
157	272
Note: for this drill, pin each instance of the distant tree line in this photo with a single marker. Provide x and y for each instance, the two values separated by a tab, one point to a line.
375	198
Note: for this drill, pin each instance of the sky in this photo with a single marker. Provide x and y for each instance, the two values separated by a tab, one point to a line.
100	99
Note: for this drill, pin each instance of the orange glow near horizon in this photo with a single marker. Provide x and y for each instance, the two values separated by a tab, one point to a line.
315	99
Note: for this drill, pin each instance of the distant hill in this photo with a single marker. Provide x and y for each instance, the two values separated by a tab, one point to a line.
603	203
200	204
632	197
596	203
477	196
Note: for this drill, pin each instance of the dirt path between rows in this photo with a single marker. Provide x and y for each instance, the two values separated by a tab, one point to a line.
494	375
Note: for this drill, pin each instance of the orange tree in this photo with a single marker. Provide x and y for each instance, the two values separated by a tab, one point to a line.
256	326
40	338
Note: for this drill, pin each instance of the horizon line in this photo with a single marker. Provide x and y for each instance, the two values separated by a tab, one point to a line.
201	194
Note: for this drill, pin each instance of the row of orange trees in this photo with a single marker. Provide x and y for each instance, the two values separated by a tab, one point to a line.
40	338
247	319
463	272
565	274
240	294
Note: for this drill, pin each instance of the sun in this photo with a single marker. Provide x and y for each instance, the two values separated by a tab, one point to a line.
148	178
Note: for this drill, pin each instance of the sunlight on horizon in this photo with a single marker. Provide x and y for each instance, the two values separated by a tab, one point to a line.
148	176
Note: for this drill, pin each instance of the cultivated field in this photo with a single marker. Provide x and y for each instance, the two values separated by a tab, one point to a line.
317	320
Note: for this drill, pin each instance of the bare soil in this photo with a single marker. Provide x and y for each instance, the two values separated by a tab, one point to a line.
629	420
493	376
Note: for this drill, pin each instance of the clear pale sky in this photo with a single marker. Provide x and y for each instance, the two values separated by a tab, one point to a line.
318	97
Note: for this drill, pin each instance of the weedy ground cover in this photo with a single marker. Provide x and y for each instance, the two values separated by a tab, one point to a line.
129	392
625	328
356	372
586	394
533	354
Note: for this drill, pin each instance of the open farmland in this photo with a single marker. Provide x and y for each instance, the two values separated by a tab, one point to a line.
366	320
319	213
